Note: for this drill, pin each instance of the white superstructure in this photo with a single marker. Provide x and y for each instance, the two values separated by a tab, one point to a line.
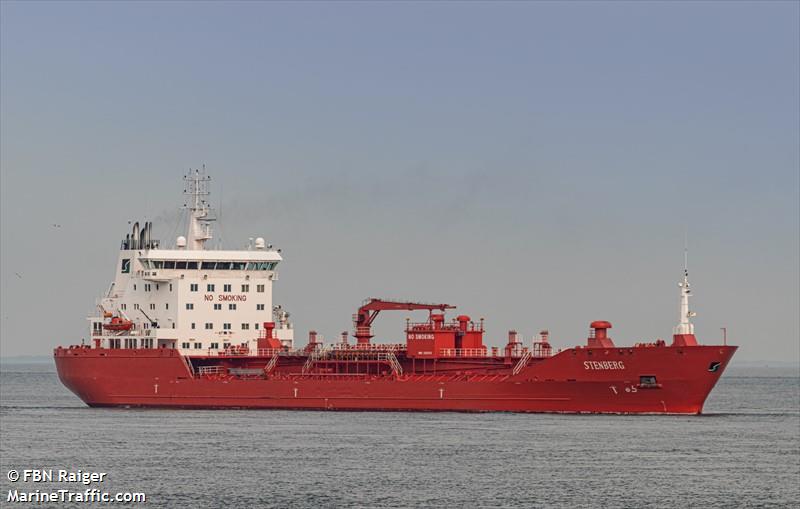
194	299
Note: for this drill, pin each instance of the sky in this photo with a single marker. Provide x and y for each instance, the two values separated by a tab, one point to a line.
536	164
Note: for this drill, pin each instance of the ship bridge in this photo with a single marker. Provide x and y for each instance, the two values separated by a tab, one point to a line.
188	297
161	264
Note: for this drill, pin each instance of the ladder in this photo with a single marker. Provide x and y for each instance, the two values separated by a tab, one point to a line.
394	363
188	364
523	361
271	364
314	357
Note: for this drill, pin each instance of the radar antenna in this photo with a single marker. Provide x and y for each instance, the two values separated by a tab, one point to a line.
198	208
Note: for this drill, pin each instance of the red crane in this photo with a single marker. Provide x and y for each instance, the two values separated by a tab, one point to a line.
369	310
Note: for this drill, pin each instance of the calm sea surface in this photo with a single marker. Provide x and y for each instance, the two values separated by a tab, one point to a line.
745	452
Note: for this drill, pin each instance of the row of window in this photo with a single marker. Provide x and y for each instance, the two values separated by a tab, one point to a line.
136	306
225	326
211	287
148	287
190	306
199	346
194	265
130	343
193	287
218	307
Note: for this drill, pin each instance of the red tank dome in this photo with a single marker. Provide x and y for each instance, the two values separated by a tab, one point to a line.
600	324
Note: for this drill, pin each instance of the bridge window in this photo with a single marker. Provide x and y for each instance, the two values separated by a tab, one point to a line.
158	264
191	265
207	266
169	264
238	265
223	265
145	263
180	265
252	266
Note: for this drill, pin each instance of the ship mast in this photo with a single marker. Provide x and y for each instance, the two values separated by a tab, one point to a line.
199	210
685	325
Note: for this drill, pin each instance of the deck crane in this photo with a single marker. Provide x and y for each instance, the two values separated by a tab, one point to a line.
362	320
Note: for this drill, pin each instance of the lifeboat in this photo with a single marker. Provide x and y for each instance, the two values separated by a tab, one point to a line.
118	324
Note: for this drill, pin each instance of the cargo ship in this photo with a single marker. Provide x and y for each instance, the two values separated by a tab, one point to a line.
190	326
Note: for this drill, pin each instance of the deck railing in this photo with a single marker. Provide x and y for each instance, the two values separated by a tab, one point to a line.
211	370
444	326
371	347
463	352
353	355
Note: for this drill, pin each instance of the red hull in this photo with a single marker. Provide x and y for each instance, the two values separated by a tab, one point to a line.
581	380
